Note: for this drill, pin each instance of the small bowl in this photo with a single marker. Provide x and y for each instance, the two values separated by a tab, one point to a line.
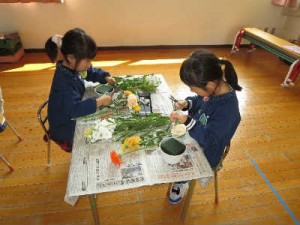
172	150
104	89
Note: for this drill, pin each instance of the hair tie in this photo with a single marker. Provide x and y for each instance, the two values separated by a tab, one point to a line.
57	39
222	60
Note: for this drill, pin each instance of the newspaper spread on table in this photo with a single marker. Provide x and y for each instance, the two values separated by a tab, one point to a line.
91	170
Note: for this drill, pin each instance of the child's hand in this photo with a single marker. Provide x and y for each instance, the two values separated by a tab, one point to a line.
103	100
110	80
181	104
175	116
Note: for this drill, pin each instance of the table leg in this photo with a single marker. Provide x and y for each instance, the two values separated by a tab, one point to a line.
94	208
188	199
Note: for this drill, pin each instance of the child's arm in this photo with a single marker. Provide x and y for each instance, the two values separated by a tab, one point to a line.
78	107
210	130
103	100
98	75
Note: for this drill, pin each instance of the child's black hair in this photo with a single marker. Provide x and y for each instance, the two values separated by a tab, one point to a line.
202	66
75	42
51	50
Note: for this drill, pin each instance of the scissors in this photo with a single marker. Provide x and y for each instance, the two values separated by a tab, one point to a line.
174	100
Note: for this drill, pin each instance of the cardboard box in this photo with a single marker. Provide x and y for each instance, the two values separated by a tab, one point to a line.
12	58
11	49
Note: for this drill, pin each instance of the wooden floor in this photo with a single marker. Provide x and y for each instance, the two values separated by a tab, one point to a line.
268	137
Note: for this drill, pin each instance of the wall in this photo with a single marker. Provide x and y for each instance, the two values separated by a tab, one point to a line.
291	28
141	23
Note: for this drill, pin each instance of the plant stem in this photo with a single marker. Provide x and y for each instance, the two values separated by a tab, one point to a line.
139	149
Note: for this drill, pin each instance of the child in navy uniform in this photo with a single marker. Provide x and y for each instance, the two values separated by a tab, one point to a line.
77	50
213	114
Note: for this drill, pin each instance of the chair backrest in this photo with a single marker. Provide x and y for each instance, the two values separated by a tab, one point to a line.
43	117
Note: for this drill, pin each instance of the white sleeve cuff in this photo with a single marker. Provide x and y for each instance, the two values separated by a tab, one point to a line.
191	124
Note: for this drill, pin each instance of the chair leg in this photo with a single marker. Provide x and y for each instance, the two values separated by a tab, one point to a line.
14	130
188	199
6	162
216	187
49	153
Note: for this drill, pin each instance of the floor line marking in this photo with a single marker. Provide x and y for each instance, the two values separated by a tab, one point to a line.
275	192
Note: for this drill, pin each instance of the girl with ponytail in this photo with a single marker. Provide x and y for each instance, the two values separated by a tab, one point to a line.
73	54
213	114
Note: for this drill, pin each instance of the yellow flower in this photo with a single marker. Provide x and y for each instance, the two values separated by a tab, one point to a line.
137	108
88	132
131	144
127	92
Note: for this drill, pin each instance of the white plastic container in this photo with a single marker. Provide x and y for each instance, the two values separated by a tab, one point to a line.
172	150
